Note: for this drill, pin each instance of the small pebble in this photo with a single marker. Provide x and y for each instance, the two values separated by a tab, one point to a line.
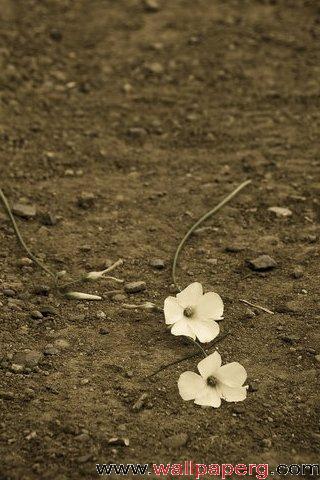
48	219
47	310
135	287
290	339
25	262
155	68
266	442
297	272
212	261
61	343
151	6
24	211
42	290
281	211
157	263
263	262
123	442
49	349
36	314
317	358
103	331
100	314
86	200
137	132
119	297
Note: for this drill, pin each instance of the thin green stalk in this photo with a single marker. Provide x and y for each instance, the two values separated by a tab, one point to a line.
19	237
196	225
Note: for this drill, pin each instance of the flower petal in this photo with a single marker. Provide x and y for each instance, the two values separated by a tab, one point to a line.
209	398
190	295
182	328
190	384
209	365
232	374
204	330
173	312
210	307
231	394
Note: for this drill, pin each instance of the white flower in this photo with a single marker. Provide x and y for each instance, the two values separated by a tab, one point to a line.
82	296
193	314
214	382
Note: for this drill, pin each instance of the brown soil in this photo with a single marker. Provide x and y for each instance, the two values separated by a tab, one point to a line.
159	115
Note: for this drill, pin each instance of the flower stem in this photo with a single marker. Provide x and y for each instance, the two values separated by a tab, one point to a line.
202	219
198	345
19	236
191	355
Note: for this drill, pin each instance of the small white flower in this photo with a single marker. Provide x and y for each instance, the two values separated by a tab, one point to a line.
194	314
214	382
82	296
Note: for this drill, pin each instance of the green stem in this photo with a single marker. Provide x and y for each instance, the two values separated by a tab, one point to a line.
196	225
19	237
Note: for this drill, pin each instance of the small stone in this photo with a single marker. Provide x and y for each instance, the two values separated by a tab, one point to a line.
123	442
155	68
151	6
48	219
101	315
25	262
266	442
297	272
137	132
86	200
84	381
317	358
16	368
177	441
119	297
212	261
8	292
36	314
157	263
281	211
47	311
49	349
55	35
83	437
140	403
253	387
263	262
103	331
61	343
24	211
249	313
135	287
42	290
234	248
290	339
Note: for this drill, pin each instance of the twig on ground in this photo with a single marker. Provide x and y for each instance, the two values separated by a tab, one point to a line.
257	306
192	355
19	236
202	219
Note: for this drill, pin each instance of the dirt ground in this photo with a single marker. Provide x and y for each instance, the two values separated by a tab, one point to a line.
123	125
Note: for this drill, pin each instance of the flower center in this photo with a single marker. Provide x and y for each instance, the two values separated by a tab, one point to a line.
188	312
212	381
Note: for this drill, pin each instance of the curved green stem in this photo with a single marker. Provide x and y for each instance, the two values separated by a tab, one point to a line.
19	237
202	219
